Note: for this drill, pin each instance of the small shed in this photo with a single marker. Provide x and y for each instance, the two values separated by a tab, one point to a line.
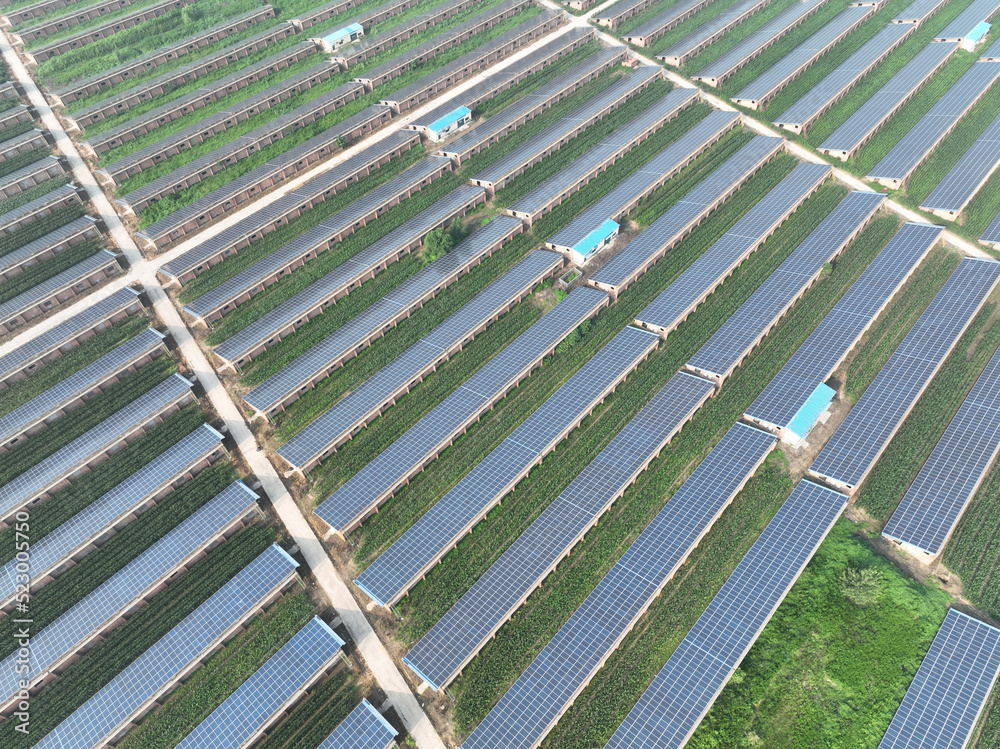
976	35
807	416
340	37
594	242
449	123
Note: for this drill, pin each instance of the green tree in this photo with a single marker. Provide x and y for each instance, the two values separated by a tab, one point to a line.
438	243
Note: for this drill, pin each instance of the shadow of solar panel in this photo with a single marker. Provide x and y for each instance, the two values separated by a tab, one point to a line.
730	344
827	346
364	728
530	708
457	637
875	418
968	176
673	705
402	565
947	695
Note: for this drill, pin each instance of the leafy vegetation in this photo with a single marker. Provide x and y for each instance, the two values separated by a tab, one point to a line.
37	191
11	165
972	552
35	274
40	227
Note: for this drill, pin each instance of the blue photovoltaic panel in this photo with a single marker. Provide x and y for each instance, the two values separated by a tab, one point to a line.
977	12
259	699
673	705
377	480
45	474
679	52
43	407
938	496
153	672
823	351
530	708
879	107
402	565
364	728
463	630
944	700
48	552
919	11
723	352
992	233
697	281
897	165
106	602
370	397
993	53
873	421
47	290
968	176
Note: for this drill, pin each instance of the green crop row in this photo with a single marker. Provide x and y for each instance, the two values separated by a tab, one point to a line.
222	675
974	549
318	714
686	27
915	439
13	131
40	227
988	736
35	274
22	457
264	246
11	165
83	25
536	622
96	483
22	198
53	600
105	660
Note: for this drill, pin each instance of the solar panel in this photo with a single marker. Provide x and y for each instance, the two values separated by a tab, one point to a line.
260	699
730	344
621	11
653	29
47	407
105	715
364	728
992	233
860	126
403	564
976	13
827	346
897	165
774	79
673	705
919	11
682	51
48	245
943	702
102	608
692	287
834	86
464	629
322	292
871	424
993	53
722	67
573	177
37	480
947	482
50	552
380	391
645	179
531	707
967	177
409	454
33	210
637	256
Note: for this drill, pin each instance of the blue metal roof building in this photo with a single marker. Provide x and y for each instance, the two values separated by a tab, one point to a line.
806	417
450	122
599	238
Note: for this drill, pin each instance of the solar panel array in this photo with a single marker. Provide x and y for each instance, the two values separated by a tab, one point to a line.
873	421
153	673
55	547
717	71
968	176
374	483
92	317
18	217
919	11
670	709
680	52
464	629
993	53
633	260
943	702
727	347
46	405
897	165
779	75
977	12
403	564
321	292
530	708
653	29
947	482
834	86
364	728
105	603
45	474
322	236
379	391
878	108
829	343
260	699
670	308
641	182
573	177
504	169
621	11
55	241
